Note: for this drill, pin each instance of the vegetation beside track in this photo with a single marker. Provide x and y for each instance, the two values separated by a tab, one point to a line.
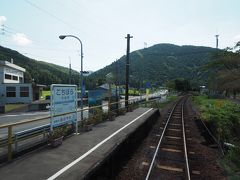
169	99
223	117
157	104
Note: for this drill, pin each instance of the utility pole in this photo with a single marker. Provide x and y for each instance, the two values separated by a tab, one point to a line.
217	41
70	71
127	70
145	45
116	84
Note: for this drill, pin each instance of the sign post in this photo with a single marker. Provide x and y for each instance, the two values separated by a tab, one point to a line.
63	105
148	86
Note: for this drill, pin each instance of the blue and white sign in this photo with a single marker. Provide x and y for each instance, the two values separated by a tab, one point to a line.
63	101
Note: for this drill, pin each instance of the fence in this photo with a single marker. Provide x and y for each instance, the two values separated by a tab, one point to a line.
17	141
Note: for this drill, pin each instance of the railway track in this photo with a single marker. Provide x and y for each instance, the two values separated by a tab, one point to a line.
173	157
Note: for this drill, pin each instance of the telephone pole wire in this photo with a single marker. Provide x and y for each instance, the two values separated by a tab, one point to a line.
127	70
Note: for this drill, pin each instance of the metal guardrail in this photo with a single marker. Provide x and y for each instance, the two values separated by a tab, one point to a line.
15	138
29	133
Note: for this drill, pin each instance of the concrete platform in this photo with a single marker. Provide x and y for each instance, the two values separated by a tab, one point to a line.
79	154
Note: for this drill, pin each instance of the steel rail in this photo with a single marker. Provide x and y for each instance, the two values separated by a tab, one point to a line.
160	140
211	134
213	137
185	144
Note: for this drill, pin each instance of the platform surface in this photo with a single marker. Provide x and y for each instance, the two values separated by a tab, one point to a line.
78	154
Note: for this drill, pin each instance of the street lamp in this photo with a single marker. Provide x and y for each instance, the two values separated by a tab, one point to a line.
63	37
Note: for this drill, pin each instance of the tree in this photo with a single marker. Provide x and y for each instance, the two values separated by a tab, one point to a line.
182	85
27	77
225	66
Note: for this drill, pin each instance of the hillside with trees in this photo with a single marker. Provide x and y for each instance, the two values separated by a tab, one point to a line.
158	64
225	68
161	63
39	71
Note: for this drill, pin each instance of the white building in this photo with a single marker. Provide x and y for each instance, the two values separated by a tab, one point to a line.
12	86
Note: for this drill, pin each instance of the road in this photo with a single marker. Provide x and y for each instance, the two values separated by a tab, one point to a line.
19	117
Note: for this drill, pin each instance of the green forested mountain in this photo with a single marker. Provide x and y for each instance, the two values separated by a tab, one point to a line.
156	64
160	63
41	72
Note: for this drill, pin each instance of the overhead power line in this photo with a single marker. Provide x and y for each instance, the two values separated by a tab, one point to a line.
50	14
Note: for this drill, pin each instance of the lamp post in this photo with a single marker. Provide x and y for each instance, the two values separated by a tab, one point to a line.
62	37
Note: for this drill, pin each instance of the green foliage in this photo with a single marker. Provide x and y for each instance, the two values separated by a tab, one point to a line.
159	104
12	107
225	68
161	63
41	72
225	117
59	132
122	111
182	85
224	114
97	116
156	64
46	93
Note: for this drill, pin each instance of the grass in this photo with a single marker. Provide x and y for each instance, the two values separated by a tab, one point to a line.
133	92
224	116
11	107
165	103
45	93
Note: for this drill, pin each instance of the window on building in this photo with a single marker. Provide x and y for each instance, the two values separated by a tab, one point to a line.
24	91
11	91
20	79
15	78
8	76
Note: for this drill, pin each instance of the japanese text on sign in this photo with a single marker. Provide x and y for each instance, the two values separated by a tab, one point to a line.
63	100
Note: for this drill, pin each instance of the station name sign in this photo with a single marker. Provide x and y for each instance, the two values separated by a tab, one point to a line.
63	104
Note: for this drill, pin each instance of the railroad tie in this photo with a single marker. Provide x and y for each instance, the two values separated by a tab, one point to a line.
171	129
195	172
173	137
152	147
169	168
145	163
174	124
171	150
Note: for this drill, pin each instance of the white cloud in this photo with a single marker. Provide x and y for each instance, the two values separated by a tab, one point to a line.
21	39
237	37
2	20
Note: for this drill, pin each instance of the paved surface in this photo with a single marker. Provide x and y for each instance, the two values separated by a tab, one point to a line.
12	118
18	117
44	163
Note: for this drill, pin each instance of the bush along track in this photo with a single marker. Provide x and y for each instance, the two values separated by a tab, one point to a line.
223	118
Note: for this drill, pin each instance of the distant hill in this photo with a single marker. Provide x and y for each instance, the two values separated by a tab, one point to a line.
41	72
155	64
160	63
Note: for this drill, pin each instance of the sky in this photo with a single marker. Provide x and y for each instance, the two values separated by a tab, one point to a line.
32	27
